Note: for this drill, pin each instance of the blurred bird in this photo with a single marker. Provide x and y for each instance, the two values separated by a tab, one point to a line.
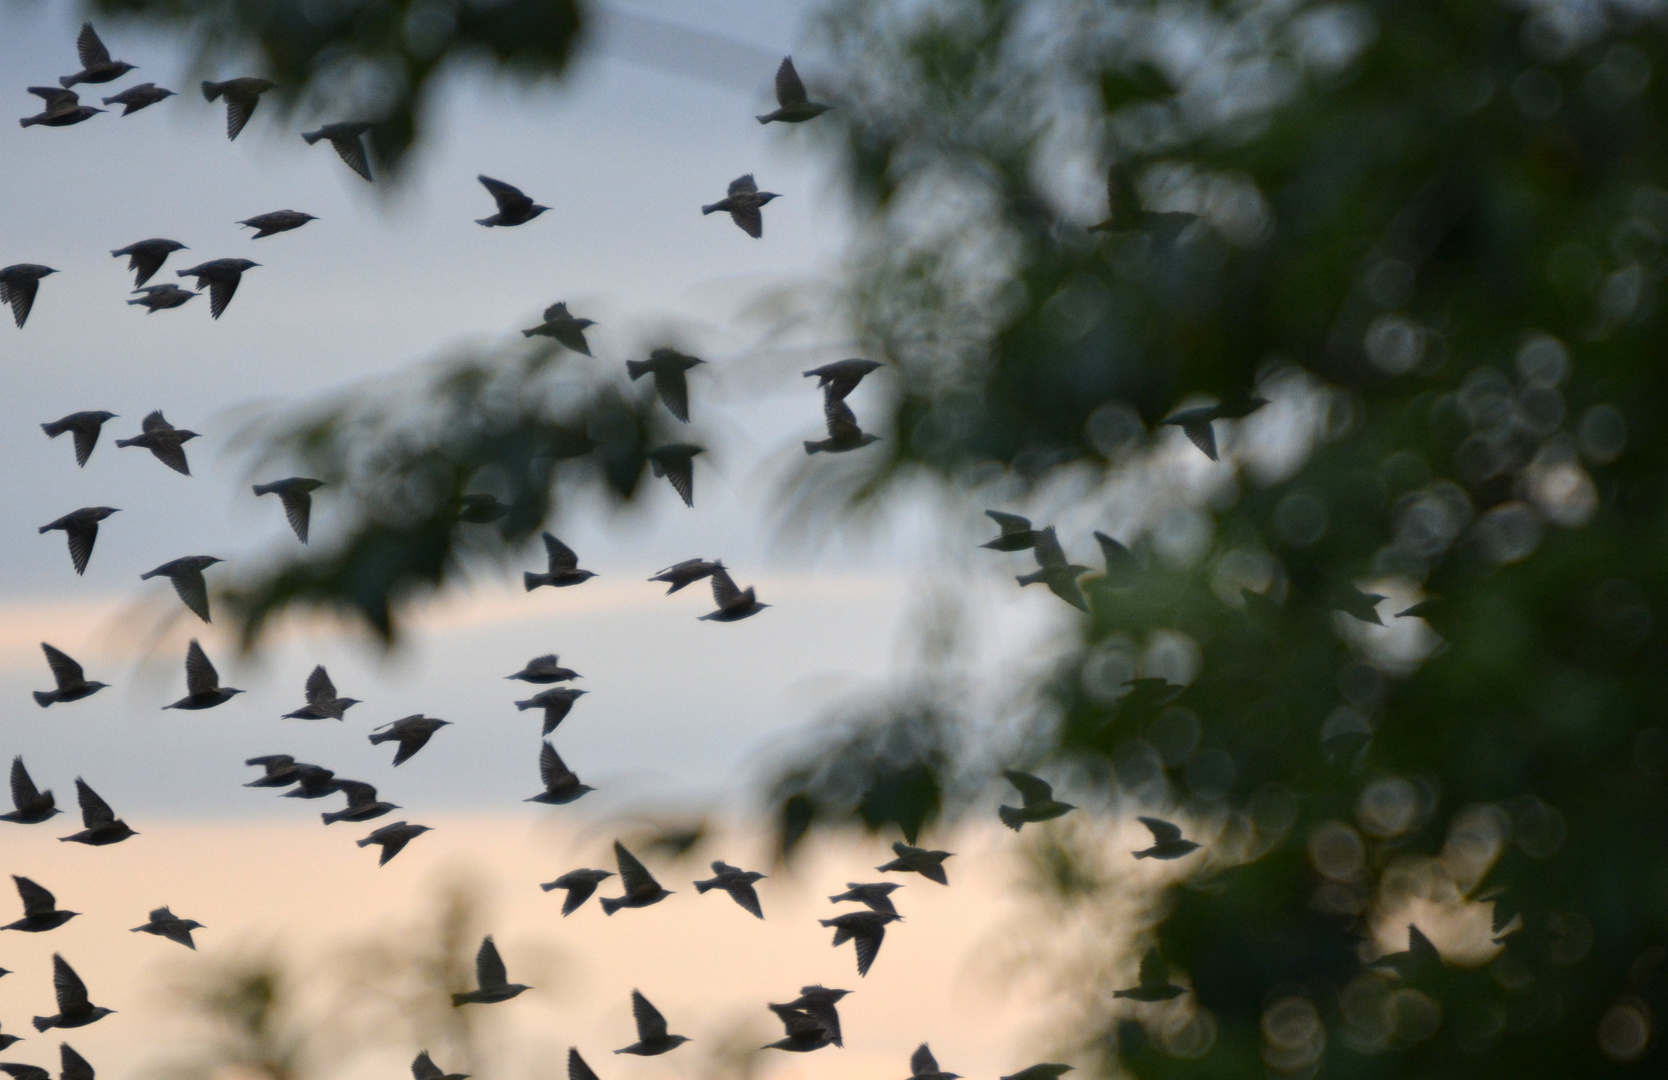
491	980
221	276
514	207
80	529
19	1071
1016	534
1361	605
242	95
84	427
673	839
71	1065
146	257
322	700
281	770
411	732
31	806
40	909
187	575
480	508
1420	957
165	441
563	567
1167	840
276	222
840	378
162	298
1196	423
556	702
580	884
743	204
138	97
1053	570
733	604
793	105
564	328
63	108
362	803
72	681
296	495
1120	561
1045	1071
1038	798
668	367
843	432
929	864
818	1002
544	669
202	682
687	572
923	1066
100	825
1153	983
652	1038
96	65
639	888
424	1068
313	782
577	1069
676	462
18	285
345	137
804	1032
165	924
561	784
737	882
393	839
865	930
876	896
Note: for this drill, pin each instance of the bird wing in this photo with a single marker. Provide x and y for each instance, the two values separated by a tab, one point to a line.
1423	952
866	939
673	389
200	676
558	310
74	1066
170	452
750	219
651	1026
790	89
681	475
922	1063
1009	523
1032	789
842	422
71	991
85	439
1203	435
1154	971
552	769
351	150
56	98
94	810
1119	559
743	185
145	262
424	1068
634	876
89	48
64	670
577	1069
24	1072
724	591
221	291
36	900
24	792
489	966
155	421
510	200
547	662
1163	831
319	686
561	556
21	296
826	1015
192	589
161	915
298	508
1049	553
745	895
358	792
240	106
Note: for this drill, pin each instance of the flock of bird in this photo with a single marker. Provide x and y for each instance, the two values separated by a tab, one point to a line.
811	1021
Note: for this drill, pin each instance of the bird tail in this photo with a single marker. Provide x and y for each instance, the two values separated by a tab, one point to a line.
1011	817
367	842
43	1022
43	698
523	706
333	816
380	737
488	222
702	887
1142	854
610	905
763	120
109	101
1031	579
460	999
126	442
147	575
67	81
263	489
27	121
312	137
211	90
532	580
549	886
54	429
637	369
711	208
811	447
44	529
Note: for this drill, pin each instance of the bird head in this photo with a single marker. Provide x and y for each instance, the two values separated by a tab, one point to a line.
95	685
122	68
186	436
867	439
102	512
583	323
173	245
678	1040
441	723
229	691
752	876
584	575
101	416
577	692
418	829
192	924
766	196
348	702
536	211
45	270
244	264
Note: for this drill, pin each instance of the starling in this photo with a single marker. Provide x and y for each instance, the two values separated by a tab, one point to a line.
1053	570
165	441
1154	983
865	930
687	572
345	137
138	97
580	884
71	1065
639	888
276	222
668	367
1039	801
1419	957
561	326
493	983
923	1066
1196	423
96	65
187	575
40	909
577	1069
676	462
841	377
18	285
743	203
72	681
322	702
544	669
63	108
733	604
85	427
876	896
804	1032
1120	561
843	432
651	1030
556	703
1016	534
162	298
393	839
737	882
165	924
929	864
221	276
31	806
313	782
1167	841
564	567
793	106
411	732
242	95
1045	1071
81	529
514	208
362	803
424	1068
146	257
561	784
280	770
296	494
100	824
480	509
1357	604
818	1002
202	682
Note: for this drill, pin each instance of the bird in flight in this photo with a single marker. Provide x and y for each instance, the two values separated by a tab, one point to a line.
1016	534
639	888
221	277
514	208
96	65
165	441
242	95
733	604
84	427
100	825
1054	571
929	864
72	681
1421	955
1153	983
544	669
411	732
580	884
18	285
146	257
75	1009
687	572
424	1068
794	106
652	1038
1196	422
165	924
561	784
738	883
323	703
40	909
296	495
279	770
668	367
1167	841
1361	605
7	1040
819	1003
843	432
676	462
162	297
202	682
865	930
362	803
1039	803
492	982
313	782
30	805
393	839
63	108
276	222
804	1032
80	528
923	1066
562	327
563	567
556	702
841	377
347	139
876	896
187	575
138	97
743	203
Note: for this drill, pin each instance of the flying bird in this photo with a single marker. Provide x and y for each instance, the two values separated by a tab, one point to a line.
1421	955
564	328
346	138
563	567
876	896
1054	571
492	982
687	572
30	806
1016	534
74	1007
676	462
424	1068
1153	983
843	432
100	825
84	428
640	889
362	803
819	1003
580	884
1039	803
865	930
279	770
187	575
221	277
1121	564
242	95
80	527
733	604
146	257
18	285
1048	1070
652	1038
73	684
138	97
743	203
804	1032
556	702
40	909
1167	841
63	108
323	703
923	1066
1357	604
561	784
544	669
841	377
96	65
165	924
202	682
793	105
411	732
1196	422
929	864
313	782
738	883
165	441
393	839
514	207
668	367
162	298
296	495
276	222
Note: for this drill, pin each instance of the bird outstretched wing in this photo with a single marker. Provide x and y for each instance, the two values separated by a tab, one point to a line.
634	876
922	1063
24	792
561	556
36	900
1031	788
424	1068
67	985
1009	523
319	687
200	676
577	1069
1163	831
510	199
155	421
1048	550
724	591
1154	971
842	422
790	89
552	769
351	149
64	670
94	810
74	1066
489	966
89	48
651	1025
358	792
56	98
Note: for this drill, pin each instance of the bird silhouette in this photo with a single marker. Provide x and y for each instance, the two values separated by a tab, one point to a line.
1357	604
843	432
8	1040
424	1068
1037	797
491	980
84	428
100	825
561	784
923	1066
842	376
876	896
676	462
63	108
514	207
1153	983
276	222
362	803
1196	423
865	930
187	575
80	528
793	106
819	1003
733	604
74	1007
221	277
743	203
242	95
165	924
146	257
19	1071
1419	958
738	883
393	839
1016	534
562	327
279	770
346	137
296	495
162	298
1054	571
40	909
1167	840
687	572
639	888
323	703
544	669
71	1065
313	782
202	682
18	285
804	1032
96	65
580	884
652	1038
411	732
138	97
556	702
165	441
929	864
1121	565
670	383
30	806
1047	1070
563	567
72	681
